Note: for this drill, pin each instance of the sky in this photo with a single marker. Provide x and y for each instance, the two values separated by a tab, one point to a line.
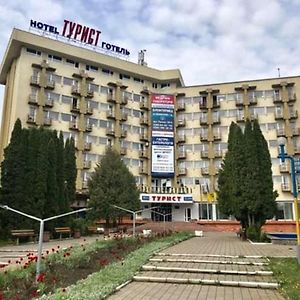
210	41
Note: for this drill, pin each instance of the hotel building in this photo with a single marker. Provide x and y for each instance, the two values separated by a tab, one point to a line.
172	137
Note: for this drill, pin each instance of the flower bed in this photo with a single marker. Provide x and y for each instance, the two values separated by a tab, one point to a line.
63	268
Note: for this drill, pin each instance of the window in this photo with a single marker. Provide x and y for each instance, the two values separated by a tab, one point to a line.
72	62
138	79
124	76
284	210
66	117
66	99
136	98
54	57
154	85
91	68
33	51
68	81
107	72
164	85
205	211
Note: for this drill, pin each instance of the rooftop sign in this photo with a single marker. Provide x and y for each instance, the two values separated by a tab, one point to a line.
75	32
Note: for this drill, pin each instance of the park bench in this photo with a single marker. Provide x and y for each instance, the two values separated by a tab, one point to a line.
95	229
22	233
63	230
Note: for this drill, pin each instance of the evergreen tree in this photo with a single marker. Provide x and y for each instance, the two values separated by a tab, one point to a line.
13	176
70	171
112	184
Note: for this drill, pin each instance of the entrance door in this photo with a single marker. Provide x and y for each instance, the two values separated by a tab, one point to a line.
162	209
187	214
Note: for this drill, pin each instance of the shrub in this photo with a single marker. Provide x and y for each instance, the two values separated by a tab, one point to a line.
253	233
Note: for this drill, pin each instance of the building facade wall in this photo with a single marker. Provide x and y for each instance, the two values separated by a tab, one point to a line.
102	101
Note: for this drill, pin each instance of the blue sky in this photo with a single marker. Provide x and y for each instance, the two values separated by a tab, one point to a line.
208	40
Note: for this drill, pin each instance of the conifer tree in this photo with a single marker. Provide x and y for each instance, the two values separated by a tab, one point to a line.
112	184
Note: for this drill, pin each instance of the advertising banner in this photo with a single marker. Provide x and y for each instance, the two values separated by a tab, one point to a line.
162	135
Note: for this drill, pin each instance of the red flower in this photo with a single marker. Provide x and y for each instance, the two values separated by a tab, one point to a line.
34	293
53	250
58	247
41	277
1	297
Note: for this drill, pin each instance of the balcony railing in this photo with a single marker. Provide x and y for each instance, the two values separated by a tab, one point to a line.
88	110
123	133
87	146
50	83
87	164
180	106
110	114
203	120
180	138
124	100
143	170
88	127
278	114
277	98
285	187
218	153
49	102
73	125
205	171
217	135
293	114
144	105
35	80
31	119
143	154
280	132
204	154
181	154
284	168
110	131
75	89
144	136
203	136
124	116
32	99
75	108
123	151
47	122
180	123
144	120
164	190
181	171
295	131
111	97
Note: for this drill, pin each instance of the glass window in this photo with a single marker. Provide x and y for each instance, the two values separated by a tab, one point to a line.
53	115
284	210
136	98
68	81
66	117
33	51
205	211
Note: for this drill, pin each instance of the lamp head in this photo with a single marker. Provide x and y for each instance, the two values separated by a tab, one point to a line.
4	206
281	141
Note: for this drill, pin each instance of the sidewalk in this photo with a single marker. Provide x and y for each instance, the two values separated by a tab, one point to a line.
197	253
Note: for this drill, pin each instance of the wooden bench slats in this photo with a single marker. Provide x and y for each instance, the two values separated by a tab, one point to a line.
22	233
62	230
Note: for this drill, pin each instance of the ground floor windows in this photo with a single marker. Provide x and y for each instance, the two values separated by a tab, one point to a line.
284	210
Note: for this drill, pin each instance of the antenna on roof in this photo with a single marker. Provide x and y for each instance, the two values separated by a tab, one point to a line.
141	58
278	69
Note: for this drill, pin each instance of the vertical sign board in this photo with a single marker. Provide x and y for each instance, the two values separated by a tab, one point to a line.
162	108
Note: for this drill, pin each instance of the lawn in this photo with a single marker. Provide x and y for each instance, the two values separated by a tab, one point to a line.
287	272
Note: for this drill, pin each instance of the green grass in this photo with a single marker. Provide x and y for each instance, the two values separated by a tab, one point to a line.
287	272
99	285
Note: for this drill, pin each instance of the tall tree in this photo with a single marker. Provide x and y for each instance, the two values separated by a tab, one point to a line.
112	184
245	180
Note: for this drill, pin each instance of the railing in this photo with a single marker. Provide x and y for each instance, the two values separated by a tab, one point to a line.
285	187
165	190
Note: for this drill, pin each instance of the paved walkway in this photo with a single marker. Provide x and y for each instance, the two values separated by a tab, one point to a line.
207	254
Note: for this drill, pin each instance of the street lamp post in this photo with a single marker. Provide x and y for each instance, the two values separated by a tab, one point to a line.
41	233
134	213
283	156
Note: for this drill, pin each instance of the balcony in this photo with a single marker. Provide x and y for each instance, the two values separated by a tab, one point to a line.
144	136
73	125
203	136
144	120
123	151
85	185
124	116
295	131
181	171
285	187
205	171
180	106
50	84
88	127
111	98
203	120
292	97
253	100
90	92
49	102
110	114
88	110
32	99
87	164
216	119
216	103
31	119
239	101
143	154
180	138
180	123
47	122
218	153
75	108
75	90
277	98
284	168
294	114
204	154
87	146
278	115
110	132
280	132
124	100
35	80
240	118
144	105
123	133
297	150
143	170
181	154
217	136
203	104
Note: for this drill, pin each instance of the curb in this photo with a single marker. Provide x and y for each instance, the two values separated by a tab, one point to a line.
209	255
210	271
262	285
